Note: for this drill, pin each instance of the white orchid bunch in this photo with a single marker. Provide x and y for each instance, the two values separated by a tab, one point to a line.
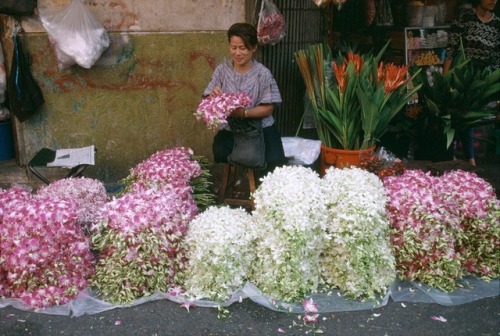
289	227
219	252
358	259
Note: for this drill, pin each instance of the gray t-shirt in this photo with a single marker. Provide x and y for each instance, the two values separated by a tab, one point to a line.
258	83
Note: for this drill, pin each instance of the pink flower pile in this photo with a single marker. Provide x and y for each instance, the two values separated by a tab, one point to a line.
45	258
172	166
214	111
90	195
479	211
140	237
432	220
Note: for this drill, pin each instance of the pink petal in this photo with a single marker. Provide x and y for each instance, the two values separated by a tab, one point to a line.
439	318
187	305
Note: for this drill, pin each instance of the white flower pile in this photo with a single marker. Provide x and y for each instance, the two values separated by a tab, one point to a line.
219	245
358	259
289	225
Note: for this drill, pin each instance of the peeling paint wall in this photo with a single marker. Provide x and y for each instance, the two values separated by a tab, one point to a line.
141	95
156	15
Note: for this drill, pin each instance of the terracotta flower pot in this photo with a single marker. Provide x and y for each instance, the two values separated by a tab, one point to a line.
339	158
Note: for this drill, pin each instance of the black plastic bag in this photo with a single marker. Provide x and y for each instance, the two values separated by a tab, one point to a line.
25	96
17	7
249	149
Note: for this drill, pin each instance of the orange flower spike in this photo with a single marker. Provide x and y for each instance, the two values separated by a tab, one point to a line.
340	75
380	72
356	60
395	76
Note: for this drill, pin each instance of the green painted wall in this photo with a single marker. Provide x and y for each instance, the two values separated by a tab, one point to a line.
137	99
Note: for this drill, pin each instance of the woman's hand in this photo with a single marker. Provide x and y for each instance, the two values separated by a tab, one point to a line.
259	111
216	91
239	112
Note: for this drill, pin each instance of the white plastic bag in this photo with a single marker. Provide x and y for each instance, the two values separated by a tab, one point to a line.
301	151
4	113
271	27
76	36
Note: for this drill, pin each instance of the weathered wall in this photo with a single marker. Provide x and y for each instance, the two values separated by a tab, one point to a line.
141	95
156	15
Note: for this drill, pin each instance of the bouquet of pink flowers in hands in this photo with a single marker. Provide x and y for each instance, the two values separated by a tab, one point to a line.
214	110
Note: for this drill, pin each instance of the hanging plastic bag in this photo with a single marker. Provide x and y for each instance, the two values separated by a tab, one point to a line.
384	17
76	36
320	3
4	113
25	96
17	7
271	27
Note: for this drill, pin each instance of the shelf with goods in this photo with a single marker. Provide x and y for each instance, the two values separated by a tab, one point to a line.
425	47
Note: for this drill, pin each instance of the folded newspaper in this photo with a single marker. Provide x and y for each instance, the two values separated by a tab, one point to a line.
72	157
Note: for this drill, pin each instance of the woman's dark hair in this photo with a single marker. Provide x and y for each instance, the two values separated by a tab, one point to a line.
474	3
246	32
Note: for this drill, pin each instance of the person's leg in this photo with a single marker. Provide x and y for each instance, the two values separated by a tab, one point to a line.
275	154
222	145
468	145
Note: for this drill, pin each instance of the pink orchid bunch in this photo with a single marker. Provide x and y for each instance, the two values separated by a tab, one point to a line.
15	193
45	257
174	166
479	211
424	230
140	242
89	194
214	111
435	221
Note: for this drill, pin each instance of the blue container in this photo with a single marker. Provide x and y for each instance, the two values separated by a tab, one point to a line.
6	140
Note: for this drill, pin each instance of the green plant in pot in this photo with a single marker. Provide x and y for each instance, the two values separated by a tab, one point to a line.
457	98
353	97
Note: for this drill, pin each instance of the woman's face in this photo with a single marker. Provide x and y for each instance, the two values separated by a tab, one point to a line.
488	5
240	54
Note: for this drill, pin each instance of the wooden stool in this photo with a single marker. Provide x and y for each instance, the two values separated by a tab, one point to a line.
227	192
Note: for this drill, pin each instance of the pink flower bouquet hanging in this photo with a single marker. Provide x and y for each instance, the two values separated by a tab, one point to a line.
214	111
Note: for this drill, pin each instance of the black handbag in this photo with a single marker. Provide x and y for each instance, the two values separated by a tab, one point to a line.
249	149
17	7
25	96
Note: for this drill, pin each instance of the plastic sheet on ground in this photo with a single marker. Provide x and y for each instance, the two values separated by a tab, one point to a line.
470	289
